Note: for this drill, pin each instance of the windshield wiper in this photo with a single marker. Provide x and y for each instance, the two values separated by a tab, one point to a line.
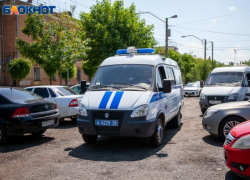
131	85
104	86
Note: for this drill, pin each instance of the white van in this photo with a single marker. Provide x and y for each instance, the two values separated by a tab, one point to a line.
133	94
225	84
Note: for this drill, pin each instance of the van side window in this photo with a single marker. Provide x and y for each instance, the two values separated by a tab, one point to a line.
177	76
247	80
171	75
161	75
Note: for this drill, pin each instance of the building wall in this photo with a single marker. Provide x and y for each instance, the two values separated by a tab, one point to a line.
11	31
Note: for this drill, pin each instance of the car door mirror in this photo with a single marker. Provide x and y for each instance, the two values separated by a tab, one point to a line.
167	86
83	86
201	84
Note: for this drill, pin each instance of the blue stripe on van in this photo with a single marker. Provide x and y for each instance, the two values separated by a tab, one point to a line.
105	100
116	101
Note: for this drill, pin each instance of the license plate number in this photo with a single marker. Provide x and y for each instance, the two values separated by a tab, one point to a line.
215	102
106	123
48	123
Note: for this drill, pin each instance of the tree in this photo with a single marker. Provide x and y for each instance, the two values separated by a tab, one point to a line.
111	27
56	42
19	68
72	72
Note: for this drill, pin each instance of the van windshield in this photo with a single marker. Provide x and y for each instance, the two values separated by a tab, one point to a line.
225	79
124	76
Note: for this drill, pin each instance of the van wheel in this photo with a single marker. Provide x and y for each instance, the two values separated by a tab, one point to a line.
39	133
89	139
228	124
156	138
3	135
176	121
203	111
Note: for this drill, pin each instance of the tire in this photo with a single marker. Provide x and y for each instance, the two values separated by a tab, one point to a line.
203	111
176	121
3	135
157	137
39	133
89	139
228	124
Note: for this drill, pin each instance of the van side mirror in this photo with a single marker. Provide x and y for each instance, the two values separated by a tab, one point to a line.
201	84
248	94
83	86
167	86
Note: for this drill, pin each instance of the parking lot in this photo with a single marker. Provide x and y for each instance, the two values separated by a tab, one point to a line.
188	153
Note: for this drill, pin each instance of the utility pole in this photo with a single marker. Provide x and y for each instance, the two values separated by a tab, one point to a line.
205	50
234	56
212	54
166	45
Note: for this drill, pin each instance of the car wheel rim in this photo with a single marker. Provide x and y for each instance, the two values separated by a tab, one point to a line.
159	131
228	126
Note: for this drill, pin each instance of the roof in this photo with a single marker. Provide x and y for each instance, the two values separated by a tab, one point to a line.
232	69
46	86
138	59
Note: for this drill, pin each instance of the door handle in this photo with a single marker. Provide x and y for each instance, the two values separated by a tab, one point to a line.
166	106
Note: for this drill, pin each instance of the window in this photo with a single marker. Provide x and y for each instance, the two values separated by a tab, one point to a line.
161	75
43	92
158	80
36	74
4	100
29	89
177	76
8	59
225	79
52	94
78	75
54	78
171	75
65	91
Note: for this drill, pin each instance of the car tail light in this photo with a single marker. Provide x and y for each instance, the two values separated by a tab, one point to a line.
56	106
21	112
73	103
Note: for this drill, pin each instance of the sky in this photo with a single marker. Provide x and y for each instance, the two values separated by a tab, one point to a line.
224	22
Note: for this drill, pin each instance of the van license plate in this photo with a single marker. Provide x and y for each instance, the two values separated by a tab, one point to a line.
215	102
106	123
48	123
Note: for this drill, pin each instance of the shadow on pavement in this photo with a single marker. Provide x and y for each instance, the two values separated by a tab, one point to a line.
66	124
213	140
16	143
114	149
231	176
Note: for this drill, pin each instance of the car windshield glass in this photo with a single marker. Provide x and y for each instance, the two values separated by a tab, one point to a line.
192	85
19	95
65	91
124	76
225	79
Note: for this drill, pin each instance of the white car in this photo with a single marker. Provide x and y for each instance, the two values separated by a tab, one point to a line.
68	101
193	89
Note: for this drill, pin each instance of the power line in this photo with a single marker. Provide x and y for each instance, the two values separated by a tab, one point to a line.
213	17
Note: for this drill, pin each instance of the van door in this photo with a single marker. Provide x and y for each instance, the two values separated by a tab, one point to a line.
163	103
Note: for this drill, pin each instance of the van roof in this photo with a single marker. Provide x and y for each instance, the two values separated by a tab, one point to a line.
232	69
138	59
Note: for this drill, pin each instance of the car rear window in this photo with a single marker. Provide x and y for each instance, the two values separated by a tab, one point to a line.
19	95
65	91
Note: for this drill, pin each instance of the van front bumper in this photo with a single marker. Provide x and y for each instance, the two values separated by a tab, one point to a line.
128	127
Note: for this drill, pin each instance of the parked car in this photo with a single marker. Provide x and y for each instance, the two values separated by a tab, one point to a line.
220	119
24	112
68	101
132	95
77	88
237	150
193	89
225	84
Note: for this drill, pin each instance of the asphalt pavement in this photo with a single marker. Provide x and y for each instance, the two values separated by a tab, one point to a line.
186	154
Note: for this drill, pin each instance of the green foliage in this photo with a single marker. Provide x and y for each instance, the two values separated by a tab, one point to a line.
72	72
111	27
19	68
56	42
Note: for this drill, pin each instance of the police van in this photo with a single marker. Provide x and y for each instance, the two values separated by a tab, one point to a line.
133	94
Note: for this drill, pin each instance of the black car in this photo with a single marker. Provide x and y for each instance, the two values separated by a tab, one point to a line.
24	112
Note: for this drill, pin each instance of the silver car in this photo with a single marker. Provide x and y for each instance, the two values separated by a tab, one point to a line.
220	119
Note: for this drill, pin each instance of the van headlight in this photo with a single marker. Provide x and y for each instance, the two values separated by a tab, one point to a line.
202	96
211	112
140	111
83	110
242	143
233	97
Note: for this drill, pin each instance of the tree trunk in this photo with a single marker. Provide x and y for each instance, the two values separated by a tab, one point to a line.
50	80
60	73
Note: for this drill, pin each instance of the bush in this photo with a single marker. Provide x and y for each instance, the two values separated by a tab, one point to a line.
19	68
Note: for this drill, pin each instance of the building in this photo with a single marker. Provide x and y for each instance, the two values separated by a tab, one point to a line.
11	26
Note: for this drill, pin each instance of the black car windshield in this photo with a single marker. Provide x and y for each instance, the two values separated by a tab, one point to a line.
133	76
19	95
225	79
65	91
192	85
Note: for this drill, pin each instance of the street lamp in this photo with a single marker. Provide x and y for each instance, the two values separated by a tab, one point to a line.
166	43
205	44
